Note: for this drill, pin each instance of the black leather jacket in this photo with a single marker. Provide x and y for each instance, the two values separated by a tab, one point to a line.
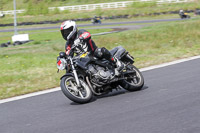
87	45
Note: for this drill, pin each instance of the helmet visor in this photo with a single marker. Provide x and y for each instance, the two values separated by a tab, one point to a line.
65	32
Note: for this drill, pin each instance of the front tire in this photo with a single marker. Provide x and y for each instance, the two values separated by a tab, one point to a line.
134	81
69	87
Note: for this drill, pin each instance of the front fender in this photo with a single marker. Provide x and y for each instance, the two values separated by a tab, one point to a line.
72	75
67	74
128	72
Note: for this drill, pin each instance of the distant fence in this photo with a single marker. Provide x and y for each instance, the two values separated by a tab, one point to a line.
102	5
173	1
113	5
95	6
12	12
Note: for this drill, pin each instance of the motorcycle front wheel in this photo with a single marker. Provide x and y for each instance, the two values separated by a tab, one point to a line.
77	94
134	81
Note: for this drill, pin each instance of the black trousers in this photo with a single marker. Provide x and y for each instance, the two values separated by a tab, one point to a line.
103	53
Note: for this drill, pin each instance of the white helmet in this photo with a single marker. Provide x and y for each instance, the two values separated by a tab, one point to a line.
68	29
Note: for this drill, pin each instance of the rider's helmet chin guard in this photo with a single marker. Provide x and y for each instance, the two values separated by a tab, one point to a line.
68	29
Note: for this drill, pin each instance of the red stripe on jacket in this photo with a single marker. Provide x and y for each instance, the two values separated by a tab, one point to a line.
90	42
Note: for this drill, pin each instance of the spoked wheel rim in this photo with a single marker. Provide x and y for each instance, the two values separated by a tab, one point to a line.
134	78
82	92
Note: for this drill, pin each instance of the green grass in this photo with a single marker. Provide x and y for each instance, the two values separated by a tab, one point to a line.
32	67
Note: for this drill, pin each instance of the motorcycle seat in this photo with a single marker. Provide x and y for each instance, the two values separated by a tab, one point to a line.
117	51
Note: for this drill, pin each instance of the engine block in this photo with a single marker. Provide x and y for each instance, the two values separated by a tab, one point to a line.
99	74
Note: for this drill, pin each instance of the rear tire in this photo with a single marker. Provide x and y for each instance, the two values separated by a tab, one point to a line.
135	80
83	95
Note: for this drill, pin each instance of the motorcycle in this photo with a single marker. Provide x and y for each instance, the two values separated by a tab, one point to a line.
197	12
87	76
184	15
96	20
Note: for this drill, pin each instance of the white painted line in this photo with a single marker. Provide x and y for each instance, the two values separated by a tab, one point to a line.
169	63
29	95
58	88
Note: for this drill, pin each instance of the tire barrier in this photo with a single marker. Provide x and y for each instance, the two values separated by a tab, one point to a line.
8	44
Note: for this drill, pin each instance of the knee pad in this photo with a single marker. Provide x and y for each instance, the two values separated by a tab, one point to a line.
98	53
102	53
106	53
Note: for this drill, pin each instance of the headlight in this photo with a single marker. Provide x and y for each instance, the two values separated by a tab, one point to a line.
61	64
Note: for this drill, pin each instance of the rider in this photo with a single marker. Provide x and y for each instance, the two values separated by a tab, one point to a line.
97	19
181	12
82	40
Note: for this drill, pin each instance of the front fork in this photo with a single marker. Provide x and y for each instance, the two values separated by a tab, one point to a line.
75	73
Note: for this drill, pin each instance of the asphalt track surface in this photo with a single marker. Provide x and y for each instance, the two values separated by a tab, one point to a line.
99	25
168	103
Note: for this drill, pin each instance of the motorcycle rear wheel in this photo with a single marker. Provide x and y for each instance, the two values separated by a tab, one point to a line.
134	81
69	87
